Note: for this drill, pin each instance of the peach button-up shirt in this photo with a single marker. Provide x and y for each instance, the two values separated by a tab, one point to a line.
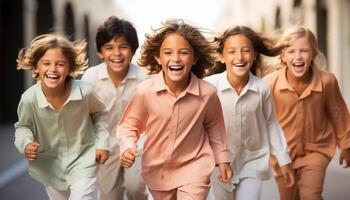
317	120
185	135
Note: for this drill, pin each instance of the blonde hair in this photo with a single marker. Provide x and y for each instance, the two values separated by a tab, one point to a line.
296	32
74	52
203	49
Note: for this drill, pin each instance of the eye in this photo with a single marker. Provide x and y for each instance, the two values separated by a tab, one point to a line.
167	52
108	48
184	52
246	50
290	51
124	46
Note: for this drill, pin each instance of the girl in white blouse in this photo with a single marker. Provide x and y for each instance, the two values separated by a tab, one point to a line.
249	113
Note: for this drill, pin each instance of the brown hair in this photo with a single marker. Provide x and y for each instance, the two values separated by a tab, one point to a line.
203	50
261	45
74	52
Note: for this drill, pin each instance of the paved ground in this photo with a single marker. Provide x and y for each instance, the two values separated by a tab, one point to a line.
16	184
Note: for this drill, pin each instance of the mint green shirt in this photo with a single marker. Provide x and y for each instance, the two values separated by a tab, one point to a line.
67	138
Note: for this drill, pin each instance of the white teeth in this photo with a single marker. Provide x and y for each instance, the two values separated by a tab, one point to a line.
52	76
239	64
175	67
117	60
298	64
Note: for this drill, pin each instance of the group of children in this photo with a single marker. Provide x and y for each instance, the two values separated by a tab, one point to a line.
173	133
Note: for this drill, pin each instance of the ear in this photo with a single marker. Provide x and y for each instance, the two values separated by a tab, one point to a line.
158	60
100	56
221	58
195	60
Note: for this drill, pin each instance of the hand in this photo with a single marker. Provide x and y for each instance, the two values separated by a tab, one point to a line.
344	158
101	156
128	157
31	150
288	175
225	172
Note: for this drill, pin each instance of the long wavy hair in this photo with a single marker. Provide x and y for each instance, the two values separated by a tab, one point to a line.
203	50
261	45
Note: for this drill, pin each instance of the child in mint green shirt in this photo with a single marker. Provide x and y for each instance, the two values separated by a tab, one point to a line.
61	127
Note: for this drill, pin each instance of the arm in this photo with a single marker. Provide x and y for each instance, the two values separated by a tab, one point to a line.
277	141
130	126
339	116
98	114
24	126
214	126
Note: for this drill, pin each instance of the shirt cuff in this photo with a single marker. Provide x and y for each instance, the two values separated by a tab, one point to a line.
125	146
283	158
222	157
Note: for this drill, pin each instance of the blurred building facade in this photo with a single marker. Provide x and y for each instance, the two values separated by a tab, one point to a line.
328	19
22	20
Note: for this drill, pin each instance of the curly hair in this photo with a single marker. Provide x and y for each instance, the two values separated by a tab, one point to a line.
75	53
203	50
261	45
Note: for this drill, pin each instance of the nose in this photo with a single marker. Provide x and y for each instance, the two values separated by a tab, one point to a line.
298	54
239	55
52	68
176	57
116	51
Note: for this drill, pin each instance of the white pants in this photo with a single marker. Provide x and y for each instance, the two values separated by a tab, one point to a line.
83	189
247	189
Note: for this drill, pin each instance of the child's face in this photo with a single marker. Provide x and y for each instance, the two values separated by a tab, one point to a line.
117	54
176	56
53	68
238	55
298	57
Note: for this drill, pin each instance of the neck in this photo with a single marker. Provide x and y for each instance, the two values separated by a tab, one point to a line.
56	92
178	87
299	80
237	83
117	77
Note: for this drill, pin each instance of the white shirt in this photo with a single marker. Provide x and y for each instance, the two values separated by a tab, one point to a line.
252	128
115	98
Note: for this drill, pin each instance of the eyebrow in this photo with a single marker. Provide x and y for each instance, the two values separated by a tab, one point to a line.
179	49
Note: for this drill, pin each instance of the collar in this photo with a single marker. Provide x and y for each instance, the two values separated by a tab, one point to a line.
75	94
103	73
223	83
315	84
192	88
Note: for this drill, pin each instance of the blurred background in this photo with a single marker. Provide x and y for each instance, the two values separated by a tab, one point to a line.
22	20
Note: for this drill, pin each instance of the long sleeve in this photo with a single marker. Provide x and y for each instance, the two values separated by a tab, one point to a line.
132	123
338	113
24	125
98	115
215	128
277	141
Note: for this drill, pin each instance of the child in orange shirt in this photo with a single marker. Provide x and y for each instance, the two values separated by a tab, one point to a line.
312	113
180	114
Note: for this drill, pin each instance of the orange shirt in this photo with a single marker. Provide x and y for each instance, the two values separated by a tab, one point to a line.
185	135
317	120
